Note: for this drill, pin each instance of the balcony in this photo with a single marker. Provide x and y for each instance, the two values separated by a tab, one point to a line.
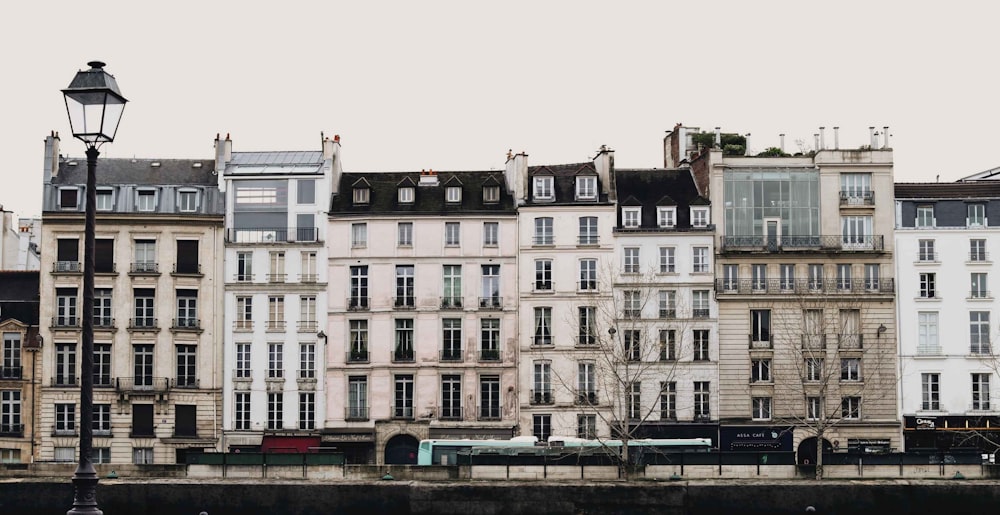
541	397
489	412
144	268
189	383
586	398
66	267
12	430
451	302
357	356
979	294
186	324
276	278
452	355
64	381
403	356
66	322
404	303
355	303
813	341
143	384
307	326
857	198
761	342
11	373
187	270
142	324
800	286
491	303
273	235
927	258
791	243
104	323
487	355
356	413
850	341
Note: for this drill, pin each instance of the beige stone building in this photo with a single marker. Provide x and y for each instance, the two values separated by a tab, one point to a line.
157	349
20	370
806	297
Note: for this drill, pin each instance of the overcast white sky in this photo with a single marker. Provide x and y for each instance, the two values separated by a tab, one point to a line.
453	85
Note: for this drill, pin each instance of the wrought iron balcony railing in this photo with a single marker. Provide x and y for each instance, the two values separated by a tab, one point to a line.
144	267
12	372
796	243
541	397
857	198
273	235
357	356
587	397
800	286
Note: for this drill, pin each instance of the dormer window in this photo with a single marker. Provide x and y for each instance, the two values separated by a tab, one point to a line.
68	198
977	215
453	194
406	195
925	216
187	201
699	217
631	216
666	217
543	188
105	200
145	200
586	188
491	194
361	195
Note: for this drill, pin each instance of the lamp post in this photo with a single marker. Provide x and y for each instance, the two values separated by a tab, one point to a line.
95	106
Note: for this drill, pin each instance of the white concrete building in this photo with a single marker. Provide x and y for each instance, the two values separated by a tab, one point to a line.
423	309
948	238
275	294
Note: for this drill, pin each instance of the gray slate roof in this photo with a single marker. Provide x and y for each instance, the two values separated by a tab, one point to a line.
654	187
428	200
139	171
949	190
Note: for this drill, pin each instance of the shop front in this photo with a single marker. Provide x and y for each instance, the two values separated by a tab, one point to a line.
358	445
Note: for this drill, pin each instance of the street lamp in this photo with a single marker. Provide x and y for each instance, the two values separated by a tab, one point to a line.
95	107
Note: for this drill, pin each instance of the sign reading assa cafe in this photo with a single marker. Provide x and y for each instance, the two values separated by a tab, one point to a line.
755	438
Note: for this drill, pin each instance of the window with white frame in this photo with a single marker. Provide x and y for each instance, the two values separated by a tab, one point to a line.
543	188
668	400
453	194
65	418
452	234
981	391
979	332
761	408
699	304
850	408
187	201
357	398
699	345
872	276
586	187
815	278
856	232
10	412
699	259
760	370
587	325
925	216
928	289
668	345
242	360
491	234
702	400
543	326
814	408
543	274
856	188
930	392
668	261
977	249
758	276
632	303
242	411
404	194
543	230
451	396
668	303
850	369
361	195
666	217
699	217
631	260
491	194
588	230
105	200
814	369
978	289
635	400
145	200
977	215
275	360
730	277
586	426
275	410
359	235
307	410
786	276
925	250
10	368
927	333
588	274
404	234
631	217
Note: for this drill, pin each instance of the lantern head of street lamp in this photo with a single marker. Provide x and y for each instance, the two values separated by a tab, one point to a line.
94	105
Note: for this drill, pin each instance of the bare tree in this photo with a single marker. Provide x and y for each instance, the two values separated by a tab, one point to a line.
823	355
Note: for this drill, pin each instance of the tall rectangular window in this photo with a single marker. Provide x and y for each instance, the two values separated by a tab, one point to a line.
927	333
543	274
307	267
404	287
699	345
980	392
634	400
491	234
586	383
102	307
307	313
451	339
699	304
925	250
668	400
872	276
305	191
187	257
543	326
357	398
542	382
815	278
451	396
702	400
667	303
586	426
632	339
65	418
242	411
586	324
668	261
632	302
760	325
10	412
928	287
925	216
276	312
588	230
758	276
142	366
275	360
65	364
844	276
588	274
277	274
452	234
275	410
489	398
242	360
307	360
359	340
145	256
730	277
359	235
814	408
359	288
489	338
187	373
105	200
979	332
104	256
978	289
244	312
144	307
541	427
67	255
102	364
977	250
404	340
66	307
403	396
452	294
244	266
786	276
491	287
814	369
307	410
668	345
631	260
187	308
543	231
404	234
977	215
699	259
761	408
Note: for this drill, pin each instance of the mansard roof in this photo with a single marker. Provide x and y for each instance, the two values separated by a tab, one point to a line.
564	183
157	172
652	188
19	296
947	190
429	199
